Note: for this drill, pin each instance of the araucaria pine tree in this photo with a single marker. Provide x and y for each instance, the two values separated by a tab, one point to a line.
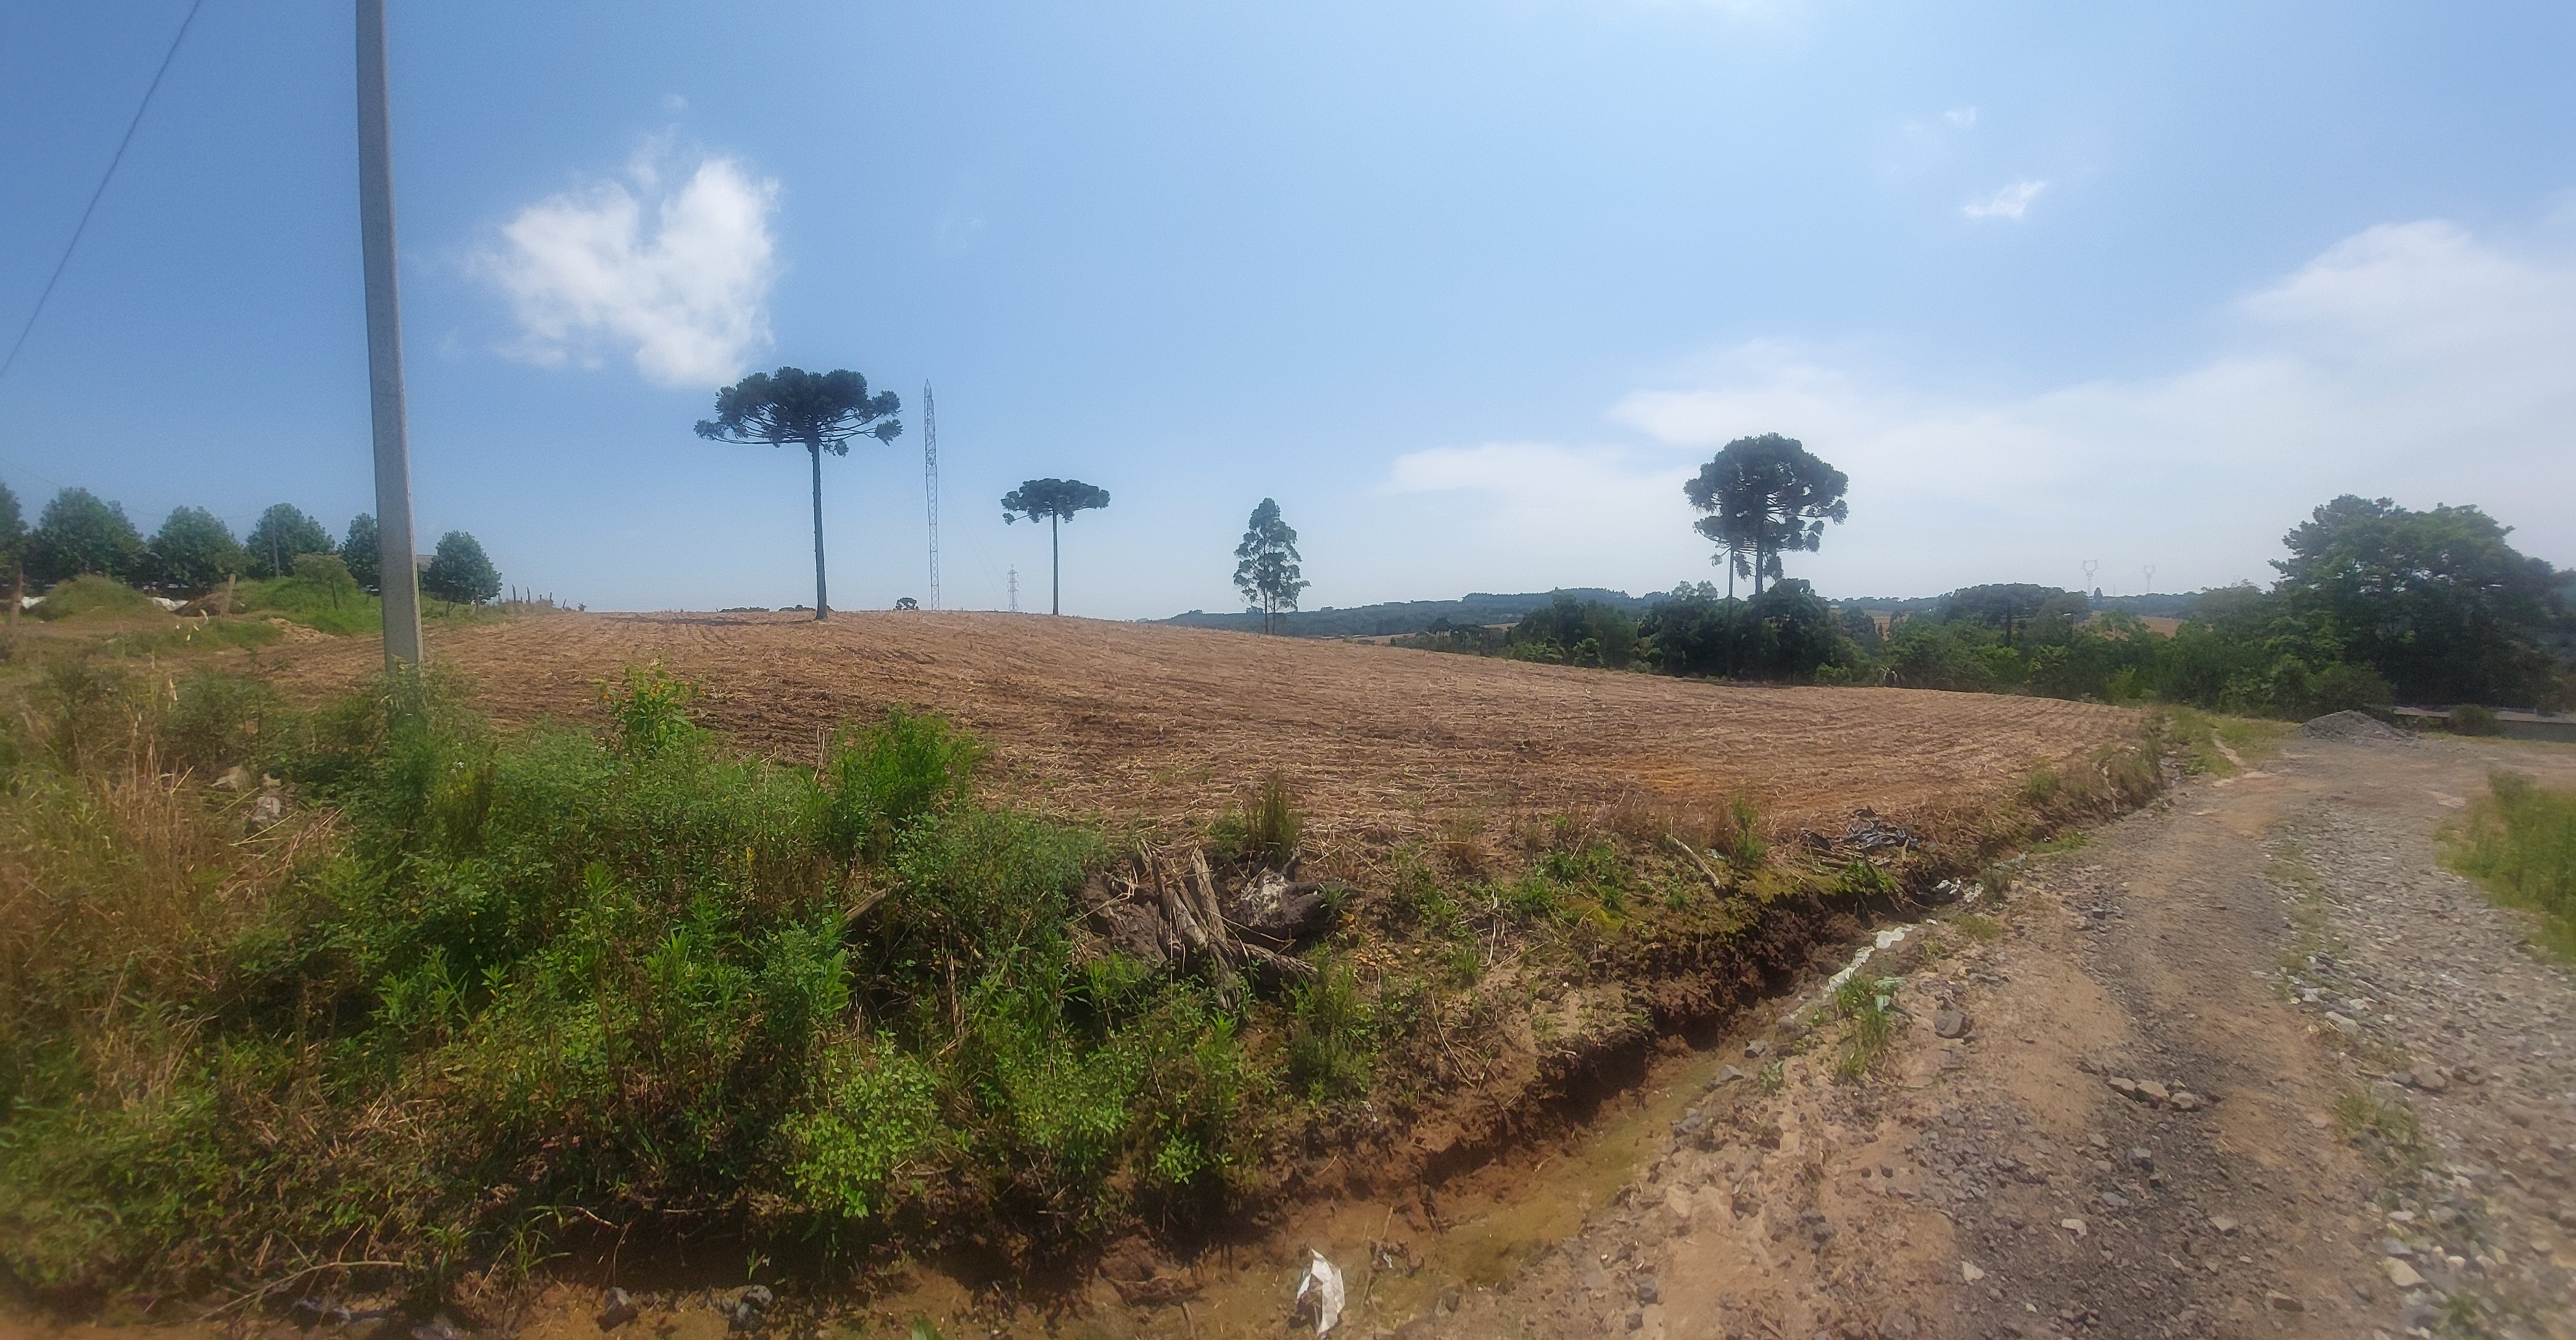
1266	564
1765	496
1057	500
820	411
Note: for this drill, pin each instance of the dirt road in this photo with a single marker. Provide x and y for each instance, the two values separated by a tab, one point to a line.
2249	1063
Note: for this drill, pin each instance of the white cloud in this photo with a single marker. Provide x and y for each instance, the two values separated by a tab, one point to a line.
2414	361
2009	203
678	278
1961	117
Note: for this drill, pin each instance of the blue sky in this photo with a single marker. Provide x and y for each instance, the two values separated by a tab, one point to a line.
1468	287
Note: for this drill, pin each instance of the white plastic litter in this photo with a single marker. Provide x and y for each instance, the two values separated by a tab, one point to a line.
1325	1283
1885	939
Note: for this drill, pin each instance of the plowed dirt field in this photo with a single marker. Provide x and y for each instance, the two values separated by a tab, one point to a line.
1165	725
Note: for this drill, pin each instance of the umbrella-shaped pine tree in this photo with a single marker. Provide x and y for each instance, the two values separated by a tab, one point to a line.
821	411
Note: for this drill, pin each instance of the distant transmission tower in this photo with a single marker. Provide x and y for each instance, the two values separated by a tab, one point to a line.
2091	566
2150	570
1015	589
930	482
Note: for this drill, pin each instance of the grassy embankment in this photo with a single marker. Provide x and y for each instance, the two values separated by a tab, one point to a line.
2520	842
442	1000
325	600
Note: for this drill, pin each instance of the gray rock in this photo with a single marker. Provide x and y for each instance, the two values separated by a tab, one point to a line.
1636	1319
1647	1292
616	1309
1950	1023
1757	1048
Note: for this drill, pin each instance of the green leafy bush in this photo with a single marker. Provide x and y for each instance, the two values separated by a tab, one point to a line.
470	982
2471	719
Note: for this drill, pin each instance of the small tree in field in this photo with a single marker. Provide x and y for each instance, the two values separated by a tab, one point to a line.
820	411
1056	500
1765	496
195	550
281	533
358	552
459	571
1266	564
80	532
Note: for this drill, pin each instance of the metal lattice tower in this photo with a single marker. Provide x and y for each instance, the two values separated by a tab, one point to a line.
930	481
1015	589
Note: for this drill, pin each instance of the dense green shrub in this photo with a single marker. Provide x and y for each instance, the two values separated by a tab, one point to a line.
469	982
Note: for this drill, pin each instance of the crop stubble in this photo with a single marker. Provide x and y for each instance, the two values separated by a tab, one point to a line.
1165	724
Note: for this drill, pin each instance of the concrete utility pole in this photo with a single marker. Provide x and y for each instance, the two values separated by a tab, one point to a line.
396	575
930	481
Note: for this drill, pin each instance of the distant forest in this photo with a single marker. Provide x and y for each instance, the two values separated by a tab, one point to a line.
1413	616
1418	616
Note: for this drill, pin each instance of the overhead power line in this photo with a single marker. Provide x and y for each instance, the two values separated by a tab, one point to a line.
104	178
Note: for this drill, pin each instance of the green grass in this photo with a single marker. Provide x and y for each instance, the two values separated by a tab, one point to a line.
92	595
2204	739
2520	842
2384	1129
473	988
1869	1006
1264	827
1979	928
340	608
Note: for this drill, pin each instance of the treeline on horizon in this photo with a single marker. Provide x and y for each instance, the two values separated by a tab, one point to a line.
2376	604
80	534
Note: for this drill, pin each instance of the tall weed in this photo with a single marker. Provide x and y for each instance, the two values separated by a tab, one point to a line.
2520	842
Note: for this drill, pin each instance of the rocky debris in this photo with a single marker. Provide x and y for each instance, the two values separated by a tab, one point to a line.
1948	1022
2352	726
746	1308
2455	1025
616	1308
436	1328
2155	1093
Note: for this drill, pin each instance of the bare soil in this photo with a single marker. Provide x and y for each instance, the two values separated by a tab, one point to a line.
2001	1184
1166	724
